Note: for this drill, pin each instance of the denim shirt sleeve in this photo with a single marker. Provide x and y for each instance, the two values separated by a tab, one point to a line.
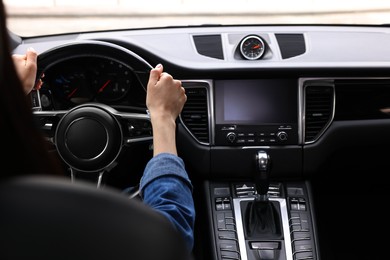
166	187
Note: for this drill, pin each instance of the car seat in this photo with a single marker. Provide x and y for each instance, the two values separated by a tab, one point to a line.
53	218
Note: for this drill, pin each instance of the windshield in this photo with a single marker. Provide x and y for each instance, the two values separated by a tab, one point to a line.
43	17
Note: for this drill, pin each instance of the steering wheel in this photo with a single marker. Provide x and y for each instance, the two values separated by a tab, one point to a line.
89	137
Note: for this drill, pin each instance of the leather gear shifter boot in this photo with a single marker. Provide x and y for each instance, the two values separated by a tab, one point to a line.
261	218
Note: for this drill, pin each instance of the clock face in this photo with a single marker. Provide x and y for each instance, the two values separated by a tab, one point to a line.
252	47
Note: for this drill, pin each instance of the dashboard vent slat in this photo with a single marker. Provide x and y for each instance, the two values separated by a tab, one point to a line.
195	114
319	110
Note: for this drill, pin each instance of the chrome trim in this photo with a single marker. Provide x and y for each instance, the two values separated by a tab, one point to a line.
99	180
131	115
255	147
51	113
240	226
140	139
114	112
301	114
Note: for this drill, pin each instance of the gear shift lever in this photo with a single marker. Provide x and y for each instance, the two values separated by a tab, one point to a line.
263	163
261	217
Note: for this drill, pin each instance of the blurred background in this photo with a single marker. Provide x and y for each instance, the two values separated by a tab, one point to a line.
35	17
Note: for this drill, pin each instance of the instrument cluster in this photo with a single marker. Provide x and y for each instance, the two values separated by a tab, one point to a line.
80	80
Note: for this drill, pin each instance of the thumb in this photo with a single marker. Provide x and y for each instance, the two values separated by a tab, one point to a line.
155	74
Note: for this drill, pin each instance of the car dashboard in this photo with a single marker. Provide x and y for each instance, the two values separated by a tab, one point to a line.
313	100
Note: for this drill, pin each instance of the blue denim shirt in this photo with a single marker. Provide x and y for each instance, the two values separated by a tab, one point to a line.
166	187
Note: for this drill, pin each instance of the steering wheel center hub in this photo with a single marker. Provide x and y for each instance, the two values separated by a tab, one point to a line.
86	138
89	137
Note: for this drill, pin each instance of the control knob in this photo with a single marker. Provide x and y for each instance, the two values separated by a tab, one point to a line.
282	136
231	137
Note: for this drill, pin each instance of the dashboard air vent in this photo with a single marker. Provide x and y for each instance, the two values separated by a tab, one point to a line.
209	45
319	109
195	114
291	44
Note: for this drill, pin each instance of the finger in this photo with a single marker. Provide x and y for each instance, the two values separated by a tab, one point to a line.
166	77
38	84
184	94
178	83
31	57
18	57
155	74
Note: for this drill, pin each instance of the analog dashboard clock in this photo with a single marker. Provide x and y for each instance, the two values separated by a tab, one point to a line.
252	47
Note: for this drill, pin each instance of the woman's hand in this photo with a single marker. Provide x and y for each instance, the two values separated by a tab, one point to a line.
165	99
165	95
26	68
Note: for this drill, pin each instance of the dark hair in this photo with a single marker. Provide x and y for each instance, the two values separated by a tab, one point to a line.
21	141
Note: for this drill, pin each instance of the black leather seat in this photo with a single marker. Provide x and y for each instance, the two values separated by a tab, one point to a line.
52	218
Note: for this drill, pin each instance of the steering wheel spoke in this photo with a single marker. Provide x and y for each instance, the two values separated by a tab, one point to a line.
48	121
136	127
94	177
90	137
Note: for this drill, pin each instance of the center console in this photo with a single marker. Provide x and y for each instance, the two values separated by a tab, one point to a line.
253	213
294	237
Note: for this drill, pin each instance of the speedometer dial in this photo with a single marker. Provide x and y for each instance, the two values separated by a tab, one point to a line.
112	81
70	85
252	47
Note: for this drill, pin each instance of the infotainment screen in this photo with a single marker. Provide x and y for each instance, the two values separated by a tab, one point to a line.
256	102
256	112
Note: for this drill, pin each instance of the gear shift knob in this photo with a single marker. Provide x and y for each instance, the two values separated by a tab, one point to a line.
263	164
